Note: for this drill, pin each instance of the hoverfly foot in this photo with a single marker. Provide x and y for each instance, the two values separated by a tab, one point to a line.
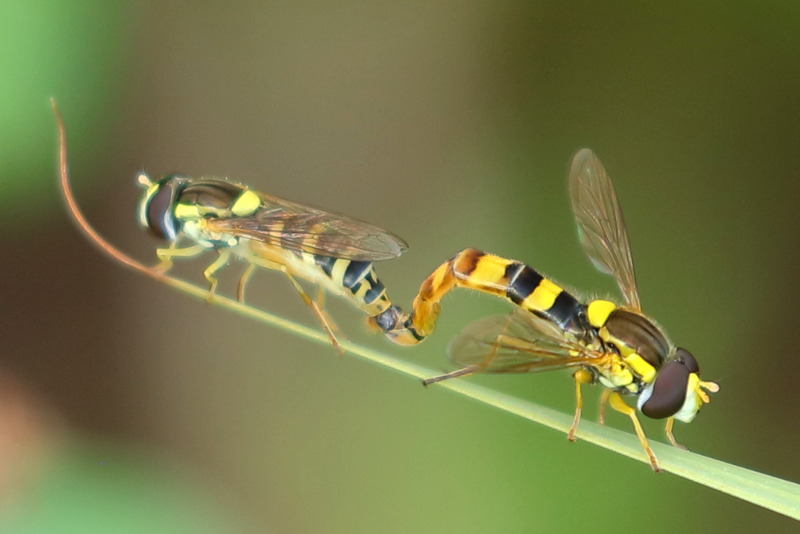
671	437
428	381
453	374
653	462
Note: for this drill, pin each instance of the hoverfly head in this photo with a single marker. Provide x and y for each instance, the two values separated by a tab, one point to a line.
677	390
157	207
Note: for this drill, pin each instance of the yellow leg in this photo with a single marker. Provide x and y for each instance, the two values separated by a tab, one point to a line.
670	437
321	315
603	401
320	301
619	405
581	376
216	265
243	281
166	255
325	321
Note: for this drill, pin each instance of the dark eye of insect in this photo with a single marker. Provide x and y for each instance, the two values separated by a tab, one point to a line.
159	218
683	355
669	390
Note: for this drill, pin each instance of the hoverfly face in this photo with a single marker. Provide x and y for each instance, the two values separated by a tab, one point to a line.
677	390
157	207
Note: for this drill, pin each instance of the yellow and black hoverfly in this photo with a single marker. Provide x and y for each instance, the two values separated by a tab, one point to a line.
333	251
616	346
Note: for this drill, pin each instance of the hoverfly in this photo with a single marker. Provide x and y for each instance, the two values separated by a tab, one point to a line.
333	251
616	346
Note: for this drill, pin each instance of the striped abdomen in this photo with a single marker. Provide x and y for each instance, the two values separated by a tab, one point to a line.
510	279
359	280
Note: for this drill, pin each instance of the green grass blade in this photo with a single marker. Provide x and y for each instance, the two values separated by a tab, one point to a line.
770	492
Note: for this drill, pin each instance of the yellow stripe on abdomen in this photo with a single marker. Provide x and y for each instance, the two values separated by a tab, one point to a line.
543	297
492	274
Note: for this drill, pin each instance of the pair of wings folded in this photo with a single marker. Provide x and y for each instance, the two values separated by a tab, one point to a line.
519	342
301	228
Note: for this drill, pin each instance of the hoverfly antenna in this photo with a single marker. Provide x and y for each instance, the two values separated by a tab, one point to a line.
144	179
705	388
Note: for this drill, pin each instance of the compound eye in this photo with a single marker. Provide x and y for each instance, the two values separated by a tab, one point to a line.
683	355
159	212
668	392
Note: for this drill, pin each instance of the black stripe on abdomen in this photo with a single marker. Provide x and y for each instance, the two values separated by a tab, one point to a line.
568	313
325	263
355	272
522	282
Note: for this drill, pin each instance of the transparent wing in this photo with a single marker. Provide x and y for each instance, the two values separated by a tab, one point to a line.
517	343
305	229
600	222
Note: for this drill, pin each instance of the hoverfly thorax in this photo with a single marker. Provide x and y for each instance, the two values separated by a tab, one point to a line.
157	207
633	332
640	344
677	390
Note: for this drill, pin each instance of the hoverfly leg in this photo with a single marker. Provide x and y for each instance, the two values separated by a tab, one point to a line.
320	302
452	374
603	401
619	405
166	255
243	281
321	315
671	437
581	376
485	362
216	265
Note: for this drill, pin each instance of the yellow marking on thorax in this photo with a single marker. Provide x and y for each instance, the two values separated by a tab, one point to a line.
197	230
630	357
614	374
640	366
247	203
598	311
187	211
543	297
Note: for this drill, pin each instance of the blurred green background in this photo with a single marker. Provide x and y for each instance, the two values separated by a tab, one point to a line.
128	407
